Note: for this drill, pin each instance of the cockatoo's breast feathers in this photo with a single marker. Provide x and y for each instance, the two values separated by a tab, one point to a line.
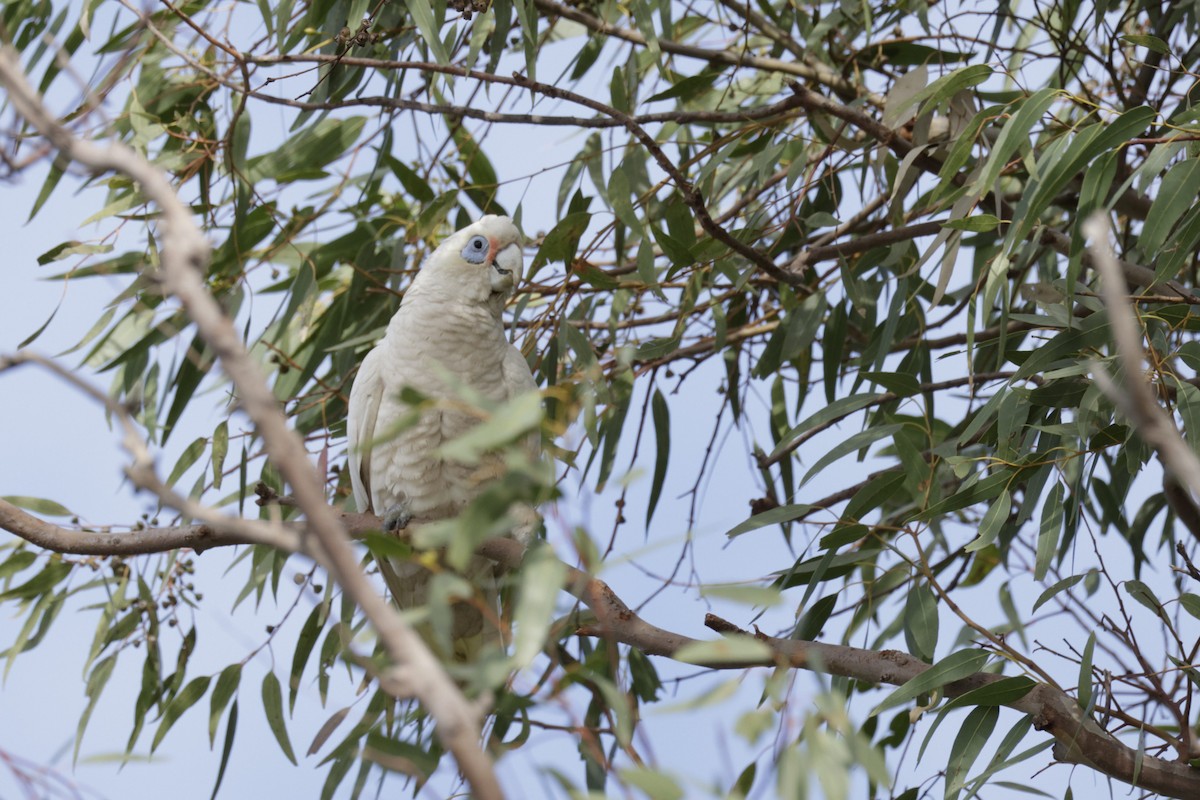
482	259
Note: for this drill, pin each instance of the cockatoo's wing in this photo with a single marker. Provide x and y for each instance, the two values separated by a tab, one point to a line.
518	380
516	373
361	420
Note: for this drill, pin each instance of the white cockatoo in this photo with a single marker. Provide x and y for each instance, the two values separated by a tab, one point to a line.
449	325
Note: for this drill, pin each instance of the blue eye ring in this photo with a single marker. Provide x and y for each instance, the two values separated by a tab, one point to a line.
476	250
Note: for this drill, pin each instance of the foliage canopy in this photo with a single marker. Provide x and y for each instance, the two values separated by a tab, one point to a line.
860	223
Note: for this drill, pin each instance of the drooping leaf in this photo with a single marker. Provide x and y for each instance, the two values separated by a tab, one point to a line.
272	697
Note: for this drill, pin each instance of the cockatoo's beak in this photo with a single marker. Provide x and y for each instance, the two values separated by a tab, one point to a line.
498	264
507	263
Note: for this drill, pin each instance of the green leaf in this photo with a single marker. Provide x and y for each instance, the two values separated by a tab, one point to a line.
227	684
951	84
689	88
304	155
902	97
1085	674
953	667
53	176
1048	594
542	576
220	448
190	456
619	193
838	409
186	698
656	348
1152	43
19	561
644	678
1178	192
1014	134
68	249
653	783
853	443
272	697
999	692
1190	603
51	575
972	736
1066	346
975	224
1144	595
812	621
662	441
516	418
726	651
413	183
774	516
399	756
993	521
878	491
95	685
38	505
739	593
326	730
562	242
527	16
1059	165
304	645
1047	543
226	749
593	276
921	622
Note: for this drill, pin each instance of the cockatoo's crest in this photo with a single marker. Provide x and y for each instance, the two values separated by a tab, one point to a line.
478	263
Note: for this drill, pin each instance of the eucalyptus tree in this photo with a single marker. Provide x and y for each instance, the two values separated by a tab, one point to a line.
859	227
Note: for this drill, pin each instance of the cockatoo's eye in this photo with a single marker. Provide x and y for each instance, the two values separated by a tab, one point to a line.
476	250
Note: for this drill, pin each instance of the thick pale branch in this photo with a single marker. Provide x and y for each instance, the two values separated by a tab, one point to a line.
185	255
133	543
1137	400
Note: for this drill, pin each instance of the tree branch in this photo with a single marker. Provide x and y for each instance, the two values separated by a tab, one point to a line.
1149	419
1078	738
757	113
687	190
810	69
1136	274
185	255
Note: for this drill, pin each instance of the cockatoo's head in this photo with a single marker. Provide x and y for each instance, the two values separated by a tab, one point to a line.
479	262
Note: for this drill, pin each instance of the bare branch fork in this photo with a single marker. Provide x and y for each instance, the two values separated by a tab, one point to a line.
185	254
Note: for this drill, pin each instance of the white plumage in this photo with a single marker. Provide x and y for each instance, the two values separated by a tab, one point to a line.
449	322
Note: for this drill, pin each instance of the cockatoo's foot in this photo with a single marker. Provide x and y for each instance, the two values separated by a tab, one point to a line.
396	518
